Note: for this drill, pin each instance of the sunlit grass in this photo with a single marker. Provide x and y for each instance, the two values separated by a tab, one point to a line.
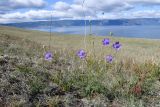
139	49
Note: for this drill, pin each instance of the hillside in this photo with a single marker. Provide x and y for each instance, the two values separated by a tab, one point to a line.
139	49
28	80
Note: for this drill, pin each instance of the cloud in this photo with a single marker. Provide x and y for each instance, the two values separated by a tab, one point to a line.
146	14
70	8
33	15
27	3
61	6
8	5
131	15
112	9
144	2
37	15
105	5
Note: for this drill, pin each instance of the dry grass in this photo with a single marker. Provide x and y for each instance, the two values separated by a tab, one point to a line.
140	50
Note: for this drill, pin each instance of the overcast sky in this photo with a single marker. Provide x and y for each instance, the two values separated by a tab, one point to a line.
36	10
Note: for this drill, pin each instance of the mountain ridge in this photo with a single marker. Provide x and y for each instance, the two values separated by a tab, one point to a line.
107	22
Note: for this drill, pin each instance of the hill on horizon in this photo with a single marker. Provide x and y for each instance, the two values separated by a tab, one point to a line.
106	22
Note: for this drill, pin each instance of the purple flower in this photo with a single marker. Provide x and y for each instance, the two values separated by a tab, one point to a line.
117	45
109	58
48	56
106	41
82	54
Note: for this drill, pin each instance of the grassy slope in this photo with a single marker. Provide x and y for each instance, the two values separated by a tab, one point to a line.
27	80
139	49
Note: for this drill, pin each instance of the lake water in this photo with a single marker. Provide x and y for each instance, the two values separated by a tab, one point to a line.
152	32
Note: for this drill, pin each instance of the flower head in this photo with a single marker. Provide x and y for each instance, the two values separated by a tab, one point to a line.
106	41
48	56
137	89
82	54
109	58
117	45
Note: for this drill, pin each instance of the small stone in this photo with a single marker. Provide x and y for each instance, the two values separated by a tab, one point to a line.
53	89
3	60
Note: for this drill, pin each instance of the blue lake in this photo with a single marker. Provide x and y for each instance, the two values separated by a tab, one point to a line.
152	32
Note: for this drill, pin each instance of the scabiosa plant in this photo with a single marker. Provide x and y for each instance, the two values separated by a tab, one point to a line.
117	46
48	56
81	54
106	42
109	58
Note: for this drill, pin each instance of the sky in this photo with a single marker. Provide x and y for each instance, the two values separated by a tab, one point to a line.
12	11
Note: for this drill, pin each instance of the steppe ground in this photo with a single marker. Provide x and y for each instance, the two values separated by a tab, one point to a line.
27	80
